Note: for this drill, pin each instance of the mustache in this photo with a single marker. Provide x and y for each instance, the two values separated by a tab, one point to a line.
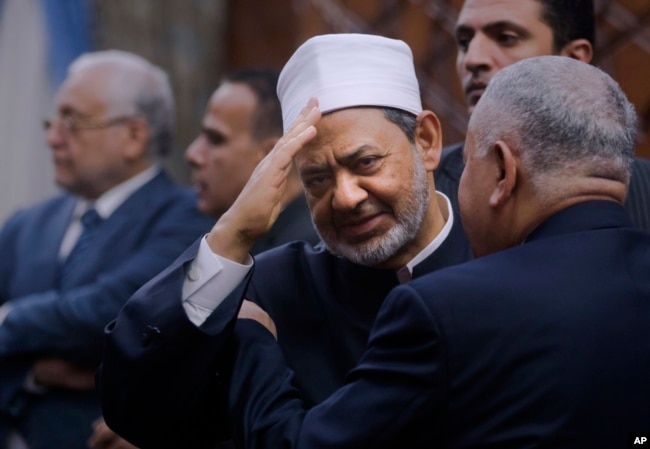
474	83
359	213
366	208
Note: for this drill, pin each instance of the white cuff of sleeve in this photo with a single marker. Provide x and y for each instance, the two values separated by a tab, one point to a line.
209	280
4	311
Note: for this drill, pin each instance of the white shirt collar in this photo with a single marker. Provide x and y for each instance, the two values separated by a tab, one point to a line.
437	241
113	198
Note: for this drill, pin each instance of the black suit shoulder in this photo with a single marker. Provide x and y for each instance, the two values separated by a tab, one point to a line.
447	178
447	175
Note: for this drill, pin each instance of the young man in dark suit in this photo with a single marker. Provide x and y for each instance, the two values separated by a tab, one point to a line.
366	167
69	263
542	341
492	35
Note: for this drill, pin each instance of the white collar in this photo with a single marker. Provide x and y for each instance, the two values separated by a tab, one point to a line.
113	198
437	241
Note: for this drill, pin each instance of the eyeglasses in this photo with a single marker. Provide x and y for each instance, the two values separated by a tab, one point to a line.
74	124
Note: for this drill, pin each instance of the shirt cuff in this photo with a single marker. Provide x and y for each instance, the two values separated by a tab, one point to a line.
208	281
4	311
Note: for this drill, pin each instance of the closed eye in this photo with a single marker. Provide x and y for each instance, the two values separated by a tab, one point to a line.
463	37
214	138
507	34
462	42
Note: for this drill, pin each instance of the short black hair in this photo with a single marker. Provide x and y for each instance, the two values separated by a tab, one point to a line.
267	118
569	20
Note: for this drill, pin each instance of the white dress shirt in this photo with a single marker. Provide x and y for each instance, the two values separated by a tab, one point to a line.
105	205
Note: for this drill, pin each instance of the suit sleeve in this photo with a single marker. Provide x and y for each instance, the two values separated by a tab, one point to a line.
393	398
163	381
8	238
70	324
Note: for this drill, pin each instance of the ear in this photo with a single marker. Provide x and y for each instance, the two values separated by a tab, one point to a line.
506	176
137	139
579	49
428	139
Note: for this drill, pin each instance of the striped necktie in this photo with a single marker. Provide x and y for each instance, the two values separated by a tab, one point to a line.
90	221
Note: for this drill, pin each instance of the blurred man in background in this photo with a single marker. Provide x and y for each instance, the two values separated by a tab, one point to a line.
69	263
241	124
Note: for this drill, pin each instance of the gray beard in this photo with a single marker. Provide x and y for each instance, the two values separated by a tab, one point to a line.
409	218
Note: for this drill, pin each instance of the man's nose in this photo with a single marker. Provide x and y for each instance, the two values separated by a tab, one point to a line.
477	57
348	194
54	136
195	154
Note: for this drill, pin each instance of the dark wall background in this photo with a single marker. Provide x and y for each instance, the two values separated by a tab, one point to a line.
186	38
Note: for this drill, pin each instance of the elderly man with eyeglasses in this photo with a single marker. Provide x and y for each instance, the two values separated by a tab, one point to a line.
69	263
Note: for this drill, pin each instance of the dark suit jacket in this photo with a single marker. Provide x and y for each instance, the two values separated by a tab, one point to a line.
158	382
146	233
545	345
637	204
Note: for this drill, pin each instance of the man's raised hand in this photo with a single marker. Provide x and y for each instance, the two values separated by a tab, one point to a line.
258	205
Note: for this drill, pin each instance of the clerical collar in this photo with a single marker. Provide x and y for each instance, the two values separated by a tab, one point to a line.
437	241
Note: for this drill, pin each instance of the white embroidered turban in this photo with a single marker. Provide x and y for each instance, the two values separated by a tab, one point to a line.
347	70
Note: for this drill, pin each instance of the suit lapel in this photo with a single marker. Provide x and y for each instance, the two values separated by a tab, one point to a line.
121	223
50	242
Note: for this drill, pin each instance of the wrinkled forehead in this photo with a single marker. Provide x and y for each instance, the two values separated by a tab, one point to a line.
346	132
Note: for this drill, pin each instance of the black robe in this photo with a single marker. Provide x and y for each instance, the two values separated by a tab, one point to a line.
162	379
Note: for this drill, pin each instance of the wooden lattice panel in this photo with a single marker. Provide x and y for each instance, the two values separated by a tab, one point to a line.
623	45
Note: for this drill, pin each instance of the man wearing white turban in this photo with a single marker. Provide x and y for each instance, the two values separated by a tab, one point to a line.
366	152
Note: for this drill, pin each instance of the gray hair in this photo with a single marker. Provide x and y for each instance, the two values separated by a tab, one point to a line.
406	121
564	117
138	88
